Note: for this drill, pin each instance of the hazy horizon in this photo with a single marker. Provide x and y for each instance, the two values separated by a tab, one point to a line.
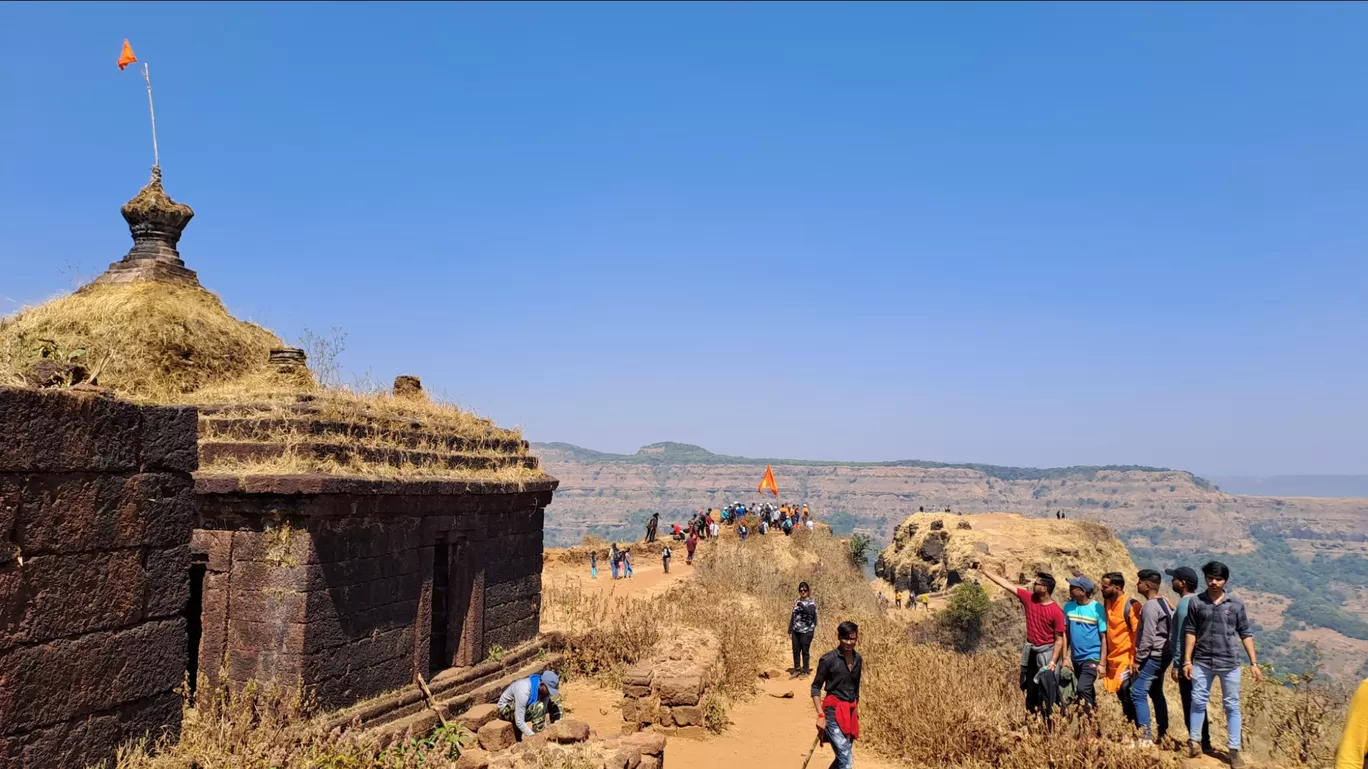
1013	234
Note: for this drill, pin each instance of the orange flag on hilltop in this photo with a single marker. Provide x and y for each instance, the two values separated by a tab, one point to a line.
768	482
127	56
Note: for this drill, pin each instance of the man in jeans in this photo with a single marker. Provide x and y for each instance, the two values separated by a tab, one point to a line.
1217	626
1087	631
1151	657
1185	585
839	671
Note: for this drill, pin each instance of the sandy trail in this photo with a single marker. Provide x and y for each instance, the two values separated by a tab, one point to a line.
767	732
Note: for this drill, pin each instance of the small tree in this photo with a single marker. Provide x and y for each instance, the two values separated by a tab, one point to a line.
860	547
964	613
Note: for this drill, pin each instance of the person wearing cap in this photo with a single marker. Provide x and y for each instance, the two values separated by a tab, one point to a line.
1151	657
1087	633
1185	585
530	703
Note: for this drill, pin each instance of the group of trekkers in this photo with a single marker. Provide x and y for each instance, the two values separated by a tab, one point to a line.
708	523
922	600
619	558
1129	644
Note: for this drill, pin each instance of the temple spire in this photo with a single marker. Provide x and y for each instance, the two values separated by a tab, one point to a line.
155	221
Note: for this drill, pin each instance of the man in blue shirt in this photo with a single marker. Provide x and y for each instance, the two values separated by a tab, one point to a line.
1086	623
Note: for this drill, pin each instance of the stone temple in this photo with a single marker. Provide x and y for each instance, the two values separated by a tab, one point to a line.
160	524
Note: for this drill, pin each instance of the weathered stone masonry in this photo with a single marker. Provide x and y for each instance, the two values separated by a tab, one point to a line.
352	586
96	508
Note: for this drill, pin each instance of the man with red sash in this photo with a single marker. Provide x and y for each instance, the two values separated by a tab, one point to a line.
838	717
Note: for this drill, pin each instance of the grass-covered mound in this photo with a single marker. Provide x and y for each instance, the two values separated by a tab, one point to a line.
144	340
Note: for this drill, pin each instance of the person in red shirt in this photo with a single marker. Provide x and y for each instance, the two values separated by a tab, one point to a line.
1044	648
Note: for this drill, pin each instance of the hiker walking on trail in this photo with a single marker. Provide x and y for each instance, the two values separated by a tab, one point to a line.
530	703
802	625
1217	626
1151	657
1123	616
627	564
838	714
1185	585
614	559
665	554
1043	651
651	527
593	564
1087	631
690	545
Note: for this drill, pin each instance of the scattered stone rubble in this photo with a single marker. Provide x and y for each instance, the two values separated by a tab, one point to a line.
670	690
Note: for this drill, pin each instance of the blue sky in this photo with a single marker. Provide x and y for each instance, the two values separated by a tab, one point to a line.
1016	233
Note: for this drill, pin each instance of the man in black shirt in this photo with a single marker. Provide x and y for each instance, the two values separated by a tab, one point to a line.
839	672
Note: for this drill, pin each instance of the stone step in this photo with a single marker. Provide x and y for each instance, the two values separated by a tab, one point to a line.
256	429
211	452
394	726
449	683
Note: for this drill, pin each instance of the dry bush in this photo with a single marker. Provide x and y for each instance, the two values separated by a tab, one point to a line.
273	728
1297	719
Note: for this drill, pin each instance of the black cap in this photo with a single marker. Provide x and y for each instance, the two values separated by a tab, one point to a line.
1184	573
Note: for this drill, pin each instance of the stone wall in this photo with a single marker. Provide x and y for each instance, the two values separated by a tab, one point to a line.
670	690
96	509
342	584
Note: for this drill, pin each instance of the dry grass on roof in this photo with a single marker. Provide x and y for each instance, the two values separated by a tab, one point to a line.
155	342
147	340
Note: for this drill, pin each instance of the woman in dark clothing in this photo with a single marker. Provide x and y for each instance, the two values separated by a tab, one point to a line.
802	624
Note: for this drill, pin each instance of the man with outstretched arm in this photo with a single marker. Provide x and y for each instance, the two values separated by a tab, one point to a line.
838	717
1044	647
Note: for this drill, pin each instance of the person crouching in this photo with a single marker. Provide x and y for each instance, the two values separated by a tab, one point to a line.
531	703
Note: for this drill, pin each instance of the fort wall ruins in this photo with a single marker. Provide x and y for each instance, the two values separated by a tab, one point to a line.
96	509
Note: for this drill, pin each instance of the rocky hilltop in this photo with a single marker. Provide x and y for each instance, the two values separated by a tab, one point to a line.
931	552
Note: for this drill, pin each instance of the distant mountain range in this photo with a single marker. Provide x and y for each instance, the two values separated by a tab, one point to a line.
1293	485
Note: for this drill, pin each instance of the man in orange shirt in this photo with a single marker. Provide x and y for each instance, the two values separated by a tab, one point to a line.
1123	616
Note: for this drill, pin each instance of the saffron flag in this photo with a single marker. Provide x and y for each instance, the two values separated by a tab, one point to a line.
127	56
768	482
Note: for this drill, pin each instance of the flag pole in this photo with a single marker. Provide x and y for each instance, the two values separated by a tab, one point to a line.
156	158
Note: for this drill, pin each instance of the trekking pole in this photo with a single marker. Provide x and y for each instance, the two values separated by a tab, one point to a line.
812	749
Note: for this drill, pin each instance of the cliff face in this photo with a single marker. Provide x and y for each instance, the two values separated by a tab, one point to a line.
605	490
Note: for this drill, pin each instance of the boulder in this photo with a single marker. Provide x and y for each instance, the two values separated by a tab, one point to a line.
478	716
497	735
650	743
681	689
567	731
687	715
472	758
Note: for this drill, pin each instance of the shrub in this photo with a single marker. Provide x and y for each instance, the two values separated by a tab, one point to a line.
860	547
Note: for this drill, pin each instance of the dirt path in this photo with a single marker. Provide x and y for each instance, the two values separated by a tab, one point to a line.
647	578
767	732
